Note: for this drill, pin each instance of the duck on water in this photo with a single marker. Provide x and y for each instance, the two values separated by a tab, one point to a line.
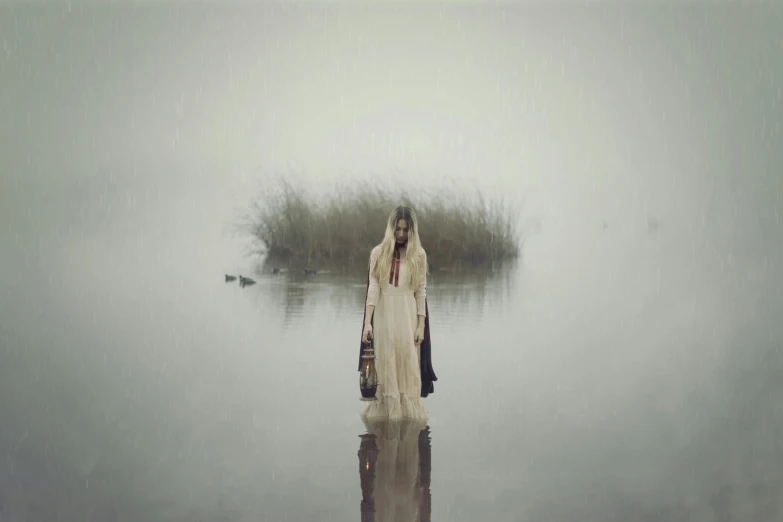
244	281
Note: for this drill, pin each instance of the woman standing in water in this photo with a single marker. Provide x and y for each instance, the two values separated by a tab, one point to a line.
396	321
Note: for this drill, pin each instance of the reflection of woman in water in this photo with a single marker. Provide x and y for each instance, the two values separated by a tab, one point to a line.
395	465
396	321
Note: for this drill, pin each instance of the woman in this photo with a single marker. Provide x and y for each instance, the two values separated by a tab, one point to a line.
396	321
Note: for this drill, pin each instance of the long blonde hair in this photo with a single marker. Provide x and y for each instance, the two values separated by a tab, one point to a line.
415	255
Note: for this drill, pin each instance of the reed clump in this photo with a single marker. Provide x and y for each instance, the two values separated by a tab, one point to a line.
339	225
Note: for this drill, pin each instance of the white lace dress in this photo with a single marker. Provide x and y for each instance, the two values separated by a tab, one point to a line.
396	355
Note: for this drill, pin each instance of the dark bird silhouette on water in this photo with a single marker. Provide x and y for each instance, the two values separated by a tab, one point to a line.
308	271
275	270
230	278
245	281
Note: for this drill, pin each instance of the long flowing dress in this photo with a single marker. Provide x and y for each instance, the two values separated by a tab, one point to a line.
397	307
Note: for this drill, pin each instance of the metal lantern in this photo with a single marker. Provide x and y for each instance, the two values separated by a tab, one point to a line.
368	377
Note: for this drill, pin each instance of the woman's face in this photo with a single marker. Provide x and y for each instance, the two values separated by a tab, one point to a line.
401	232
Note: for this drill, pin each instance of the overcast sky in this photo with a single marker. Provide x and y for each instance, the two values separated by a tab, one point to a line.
589	113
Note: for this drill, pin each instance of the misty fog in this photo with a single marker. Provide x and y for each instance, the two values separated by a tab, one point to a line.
629	366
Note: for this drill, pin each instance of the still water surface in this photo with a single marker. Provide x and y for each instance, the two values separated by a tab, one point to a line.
177	396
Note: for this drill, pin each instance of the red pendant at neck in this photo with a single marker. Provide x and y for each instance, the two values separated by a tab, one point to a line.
394	273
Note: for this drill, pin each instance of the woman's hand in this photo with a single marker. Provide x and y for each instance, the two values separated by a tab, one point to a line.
418	337
367	334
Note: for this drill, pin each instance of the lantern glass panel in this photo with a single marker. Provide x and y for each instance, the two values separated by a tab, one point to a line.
368	377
